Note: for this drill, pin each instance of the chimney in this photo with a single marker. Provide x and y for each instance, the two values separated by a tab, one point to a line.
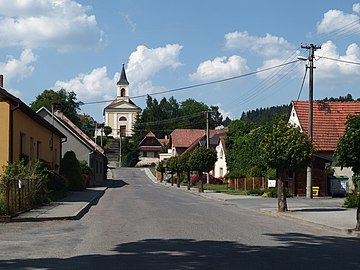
1	81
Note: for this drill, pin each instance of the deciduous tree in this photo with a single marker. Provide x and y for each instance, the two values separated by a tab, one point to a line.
285	148
348	151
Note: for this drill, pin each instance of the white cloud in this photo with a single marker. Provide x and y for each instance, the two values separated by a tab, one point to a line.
220	68
268	46
356	7
223	112
18	68
336	20
91	86
143	64
339	71
60	24
128	20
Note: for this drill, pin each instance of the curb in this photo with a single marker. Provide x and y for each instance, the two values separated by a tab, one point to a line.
76	216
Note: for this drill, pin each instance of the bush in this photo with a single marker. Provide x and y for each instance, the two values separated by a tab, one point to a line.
85	169
257	192
58	187
351	201
272	193
70	169
104	140
235	174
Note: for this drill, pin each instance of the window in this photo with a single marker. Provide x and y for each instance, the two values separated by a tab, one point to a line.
144	154
22	143
122	118
32	148
221	172
122	92
38	150
221	154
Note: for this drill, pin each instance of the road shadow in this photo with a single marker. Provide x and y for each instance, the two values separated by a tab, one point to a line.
289	251
115	183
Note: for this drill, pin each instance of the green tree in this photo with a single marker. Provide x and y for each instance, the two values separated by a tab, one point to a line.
71	170
202	160
348	151
107	130
184	163
285	148
173	165
129	152
234	141
66	101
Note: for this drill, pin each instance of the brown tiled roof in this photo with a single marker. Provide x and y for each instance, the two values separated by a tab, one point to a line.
150	134
329	120
78	132
186	137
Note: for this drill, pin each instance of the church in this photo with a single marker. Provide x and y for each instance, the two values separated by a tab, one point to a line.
121	113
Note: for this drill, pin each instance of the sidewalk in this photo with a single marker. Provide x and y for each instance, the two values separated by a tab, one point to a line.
73	206
327	212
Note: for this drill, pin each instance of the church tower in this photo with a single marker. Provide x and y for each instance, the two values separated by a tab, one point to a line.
123	86
121	113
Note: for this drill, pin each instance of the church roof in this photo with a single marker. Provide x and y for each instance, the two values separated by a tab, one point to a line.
119	101
123	80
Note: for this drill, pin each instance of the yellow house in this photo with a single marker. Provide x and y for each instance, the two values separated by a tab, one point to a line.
25	134
122	112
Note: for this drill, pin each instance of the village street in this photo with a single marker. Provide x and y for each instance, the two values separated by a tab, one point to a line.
141	225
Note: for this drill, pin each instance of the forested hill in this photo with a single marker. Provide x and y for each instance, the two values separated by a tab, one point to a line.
264	115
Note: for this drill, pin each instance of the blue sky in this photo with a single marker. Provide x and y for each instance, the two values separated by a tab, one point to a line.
80	45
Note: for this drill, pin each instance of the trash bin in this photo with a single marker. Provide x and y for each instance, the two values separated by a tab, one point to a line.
339	185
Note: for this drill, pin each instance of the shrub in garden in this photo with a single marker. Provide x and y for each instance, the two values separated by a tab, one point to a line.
70	169
351	201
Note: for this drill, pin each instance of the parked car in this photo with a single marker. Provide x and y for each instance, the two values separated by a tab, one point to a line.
168	176
213	180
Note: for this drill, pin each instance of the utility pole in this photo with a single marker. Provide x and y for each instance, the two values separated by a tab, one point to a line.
312	48
207	142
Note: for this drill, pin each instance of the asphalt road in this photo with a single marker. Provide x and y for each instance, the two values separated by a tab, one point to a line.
141	225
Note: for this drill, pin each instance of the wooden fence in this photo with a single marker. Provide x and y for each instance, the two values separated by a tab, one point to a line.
18	196
248	183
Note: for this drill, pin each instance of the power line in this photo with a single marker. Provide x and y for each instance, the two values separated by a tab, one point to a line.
201	84
302	84
339	60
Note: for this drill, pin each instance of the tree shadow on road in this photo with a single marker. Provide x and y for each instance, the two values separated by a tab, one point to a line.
115	183
288	251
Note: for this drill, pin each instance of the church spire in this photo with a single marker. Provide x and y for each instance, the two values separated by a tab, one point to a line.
123	80
123	86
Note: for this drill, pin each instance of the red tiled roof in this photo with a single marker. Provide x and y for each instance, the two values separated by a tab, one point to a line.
186	137
150	134
329	120
164	142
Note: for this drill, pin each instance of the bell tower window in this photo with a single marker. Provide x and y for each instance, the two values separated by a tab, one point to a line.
122	92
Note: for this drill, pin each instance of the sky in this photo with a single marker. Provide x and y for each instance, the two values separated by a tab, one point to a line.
239	55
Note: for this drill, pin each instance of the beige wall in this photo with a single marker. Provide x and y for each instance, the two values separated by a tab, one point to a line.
37	137
4	134
114	123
